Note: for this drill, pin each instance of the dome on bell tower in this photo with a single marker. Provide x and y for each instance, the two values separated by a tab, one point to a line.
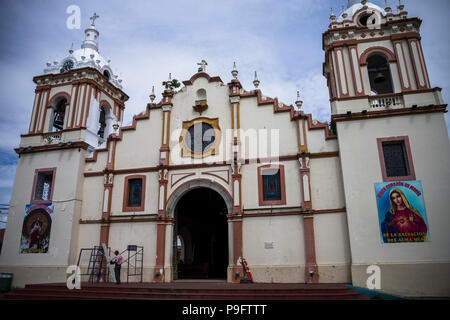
354	6
87	56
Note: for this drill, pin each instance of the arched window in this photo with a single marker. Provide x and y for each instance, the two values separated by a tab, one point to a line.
59	113
106	74
379	74
102	122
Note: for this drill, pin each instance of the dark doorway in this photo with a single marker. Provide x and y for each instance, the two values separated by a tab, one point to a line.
201	236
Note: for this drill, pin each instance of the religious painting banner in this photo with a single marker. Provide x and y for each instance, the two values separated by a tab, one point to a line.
401	212
36	228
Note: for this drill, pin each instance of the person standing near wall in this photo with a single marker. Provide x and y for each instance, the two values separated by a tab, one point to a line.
118	264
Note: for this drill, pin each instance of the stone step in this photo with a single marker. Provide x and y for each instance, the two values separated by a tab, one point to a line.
186	291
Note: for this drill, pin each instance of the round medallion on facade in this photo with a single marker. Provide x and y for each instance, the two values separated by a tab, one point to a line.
200	138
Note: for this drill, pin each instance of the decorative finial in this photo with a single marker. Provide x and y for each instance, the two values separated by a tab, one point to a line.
299	102
386	7
169	82
152	95
344	14
400	6
256	81
234	73
202	65
95	16
71	49
332	16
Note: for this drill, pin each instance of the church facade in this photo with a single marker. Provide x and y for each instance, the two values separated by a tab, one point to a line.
212	172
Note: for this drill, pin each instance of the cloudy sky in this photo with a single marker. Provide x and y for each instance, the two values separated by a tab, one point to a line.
147	39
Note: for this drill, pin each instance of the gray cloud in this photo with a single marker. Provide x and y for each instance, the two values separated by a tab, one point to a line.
148	39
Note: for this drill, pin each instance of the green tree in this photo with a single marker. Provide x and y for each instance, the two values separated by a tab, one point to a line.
174	84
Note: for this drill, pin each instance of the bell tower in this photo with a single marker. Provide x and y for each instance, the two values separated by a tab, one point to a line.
374	60
391	132
78	104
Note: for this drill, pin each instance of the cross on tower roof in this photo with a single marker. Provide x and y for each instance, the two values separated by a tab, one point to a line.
95	16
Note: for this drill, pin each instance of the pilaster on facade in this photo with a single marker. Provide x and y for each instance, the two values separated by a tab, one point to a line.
235	217
108	184
311	268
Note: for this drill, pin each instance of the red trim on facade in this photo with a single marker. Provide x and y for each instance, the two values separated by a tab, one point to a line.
356	73
160	252
44	107
347	42
88	107
397	55
186	175
83	106
36	115
413	61
389	54
74	106
104	102
311	270
71	73
263	202
237	249
336	73
172	192
201	75
57	95
422	61
52	188
305	171
266	101
125	207
340	49
207	165
405	140
211	173
388	95
388	113
33	112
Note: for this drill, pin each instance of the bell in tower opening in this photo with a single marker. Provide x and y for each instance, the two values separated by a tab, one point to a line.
379	74
59	114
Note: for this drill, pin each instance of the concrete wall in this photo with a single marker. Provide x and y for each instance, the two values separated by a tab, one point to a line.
67	208
274	248
361	169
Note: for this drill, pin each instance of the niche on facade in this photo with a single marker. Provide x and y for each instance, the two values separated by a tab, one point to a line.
201	102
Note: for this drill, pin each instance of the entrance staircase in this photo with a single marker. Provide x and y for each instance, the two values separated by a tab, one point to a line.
180	290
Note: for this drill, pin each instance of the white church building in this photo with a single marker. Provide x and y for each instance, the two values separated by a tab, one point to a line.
212	172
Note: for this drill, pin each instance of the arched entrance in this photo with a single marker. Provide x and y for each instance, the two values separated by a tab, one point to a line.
200	246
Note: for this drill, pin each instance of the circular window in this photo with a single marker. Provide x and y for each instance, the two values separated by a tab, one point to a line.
370	19
67	65
200	137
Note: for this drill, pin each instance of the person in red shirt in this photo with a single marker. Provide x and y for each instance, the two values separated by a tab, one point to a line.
118	264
